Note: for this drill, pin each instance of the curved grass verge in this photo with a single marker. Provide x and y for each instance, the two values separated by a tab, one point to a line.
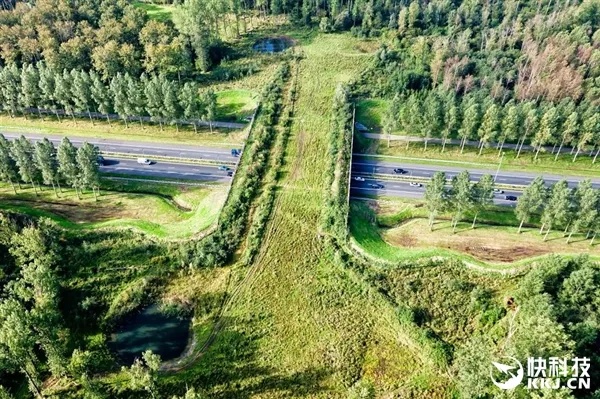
494	247
185	212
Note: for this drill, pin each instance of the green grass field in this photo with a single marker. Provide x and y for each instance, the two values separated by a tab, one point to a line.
370	112
167	211
235	105
160	12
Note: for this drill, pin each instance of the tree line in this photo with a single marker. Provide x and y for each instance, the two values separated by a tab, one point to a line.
558	206
21	161
475	117
31	89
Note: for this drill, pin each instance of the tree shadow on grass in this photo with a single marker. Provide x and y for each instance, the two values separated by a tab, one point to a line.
231	368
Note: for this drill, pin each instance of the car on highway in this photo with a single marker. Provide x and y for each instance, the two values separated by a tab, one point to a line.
498	191
510	198
376	185
400	171
358	178
224	168
415	184
144	161
101	161
235	152
230	173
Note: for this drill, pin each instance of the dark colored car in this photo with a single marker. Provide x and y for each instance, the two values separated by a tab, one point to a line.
230	173
400	171
235	152
101	161
510	198
376	185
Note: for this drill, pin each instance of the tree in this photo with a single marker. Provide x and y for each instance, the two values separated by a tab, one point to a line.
30	91
531	201
462	196
64	92
570	130
17	342
22	153
87	162
483	195
451	119
512	125
471	121
433	116
82	92
153	90
586	199
10	82
490	126
557	209
45	160
8	170
190	393
118	89
135	98
209	99
547	129
100	95
47	86
171	110
188	99
531	124
589	130
435	196
67	164
142	373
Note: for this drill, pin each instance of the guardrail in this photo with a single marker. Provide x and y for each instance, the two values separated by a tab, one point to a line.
196	161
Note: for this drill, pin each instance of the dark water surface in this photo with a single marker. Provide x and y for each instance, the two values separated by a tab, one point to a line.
272	45
150	329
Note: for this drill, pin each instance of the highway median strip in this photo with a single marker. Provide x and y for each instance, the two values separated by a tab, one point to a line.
180	160
424	180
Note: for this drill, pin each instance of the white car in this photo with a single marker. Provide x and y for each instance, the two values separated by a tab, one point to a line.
144	161
498	191
358	178
415	184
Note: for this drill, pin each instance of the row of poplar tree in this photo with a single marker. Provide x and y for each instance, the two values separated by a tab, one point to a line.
559	206
31	89
440	115
43	163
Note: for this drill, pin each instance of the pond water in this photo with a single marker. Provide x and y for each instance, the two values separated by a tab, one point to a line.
150	329
272	44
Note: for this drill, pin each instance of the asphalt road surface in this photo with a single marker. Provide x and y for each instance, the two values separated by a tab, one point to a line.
140	148
405	190
364	167
166	170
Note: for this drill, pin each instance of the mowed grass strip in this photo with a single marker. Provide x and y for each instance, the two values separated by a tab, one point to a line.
172	211
313	327
117	130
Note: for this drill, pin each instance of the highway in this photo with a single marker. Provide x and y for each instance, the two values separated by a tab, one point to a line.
147	149
166	170
365	167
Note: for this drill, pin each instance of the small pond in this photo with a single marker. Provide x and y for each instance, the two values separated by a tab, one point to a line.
272	44
150	329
